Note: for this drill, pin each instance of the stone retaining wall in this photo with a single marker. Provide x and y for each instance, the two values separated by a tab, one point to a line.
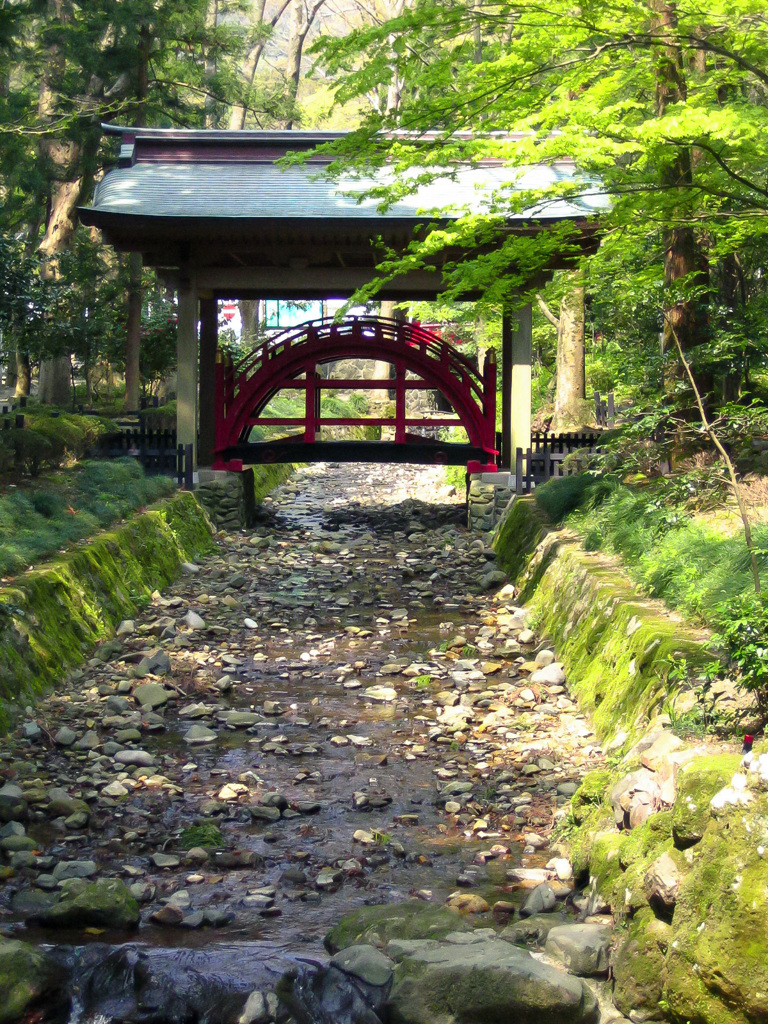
619	648
672	838
488	496
230	499
51	617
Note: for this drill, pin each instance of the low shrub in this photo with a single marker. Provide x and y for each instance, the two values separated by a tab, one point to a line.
562	495
742	636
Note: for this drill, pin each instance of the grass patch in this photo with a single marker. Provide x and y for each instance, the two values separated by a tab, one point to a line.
54	512
685	562
208	836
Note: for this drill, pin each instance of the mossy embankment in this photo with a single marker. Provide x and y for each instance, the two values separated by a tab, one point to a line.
52	616
684	875
622	652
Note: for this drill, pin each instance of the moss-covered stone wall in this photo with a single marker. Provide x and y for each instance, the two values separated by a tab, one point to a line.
618	648
52	616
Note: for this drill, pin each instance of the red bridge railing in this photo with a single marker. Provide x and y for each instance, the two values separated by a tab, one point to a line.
422	360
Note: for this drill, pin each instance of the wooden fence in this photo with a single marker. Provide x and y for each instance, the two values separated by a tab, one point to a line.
540	463
605	410
156	450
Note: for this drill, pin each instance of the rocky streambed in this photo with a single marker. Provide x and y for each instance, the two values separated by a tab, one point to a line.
339	727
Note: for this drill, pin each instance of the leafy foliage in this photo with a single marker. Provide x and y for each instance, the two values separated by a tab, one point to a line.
742	634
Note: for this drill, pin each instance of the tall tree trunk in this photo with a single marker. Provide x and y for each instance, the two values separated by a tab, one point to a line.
250	315
135	292
239	110
63	160
303	13
682	258
211	21
571	409
570	396
23	375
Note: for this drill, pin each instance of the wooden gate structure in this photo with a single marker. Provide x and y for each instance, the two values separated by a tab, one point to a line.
223	216
292	360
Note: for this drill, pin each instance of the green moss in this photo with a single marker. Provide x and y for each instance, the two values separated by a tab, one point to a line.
648	841
716	967
518	535
377	925
606	873
617	648
207	835
638	966
267	478
51	617
597	821
593	791
697	783
27	976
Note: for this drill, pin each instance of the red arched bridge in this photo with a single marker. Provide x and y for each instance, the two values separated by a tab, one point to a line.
291	360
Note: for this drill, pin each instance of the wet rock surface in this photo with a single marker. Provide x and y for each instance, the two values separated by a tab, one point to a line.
334	710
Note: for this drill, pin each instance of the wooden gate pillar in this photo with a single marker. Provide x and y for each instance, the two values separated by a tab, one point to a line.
209	337
186	374
516	353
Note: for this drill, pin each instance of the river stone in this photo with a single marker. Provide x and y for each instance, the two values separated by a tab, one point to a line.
375	926
531	931
486	982
114	790
105	903
60	803
74	869
199	734
12	844
193	620
260	1008
158	663
13	807
27	977
541	900
165	860
367	963
65	737
584	949
382	694
88	741
549	675
137	758
239	719
151	695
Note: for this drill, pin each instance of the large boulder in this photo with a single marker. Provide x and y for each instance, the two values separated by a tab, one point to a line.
352	989
27	978
375	926
486	982
105	903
